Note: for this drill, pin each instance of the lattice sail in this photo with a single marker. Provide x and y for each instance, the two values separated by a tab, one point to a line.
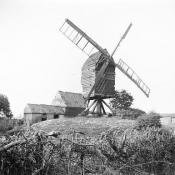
80	39
129	72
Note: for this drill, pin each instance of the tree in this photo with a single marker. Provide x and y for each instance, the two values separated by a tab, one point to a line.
5	106
121	100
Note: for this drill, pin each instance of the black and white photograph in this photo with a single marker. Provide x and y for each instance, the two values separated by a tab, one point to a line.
87	87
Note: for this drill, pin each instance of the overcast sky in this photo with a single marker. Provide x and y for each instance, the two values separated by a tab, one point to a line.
36	60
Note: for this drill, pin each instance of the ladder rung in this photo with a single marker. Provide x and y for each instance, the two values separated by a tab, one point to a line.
85	45
79	40
134	77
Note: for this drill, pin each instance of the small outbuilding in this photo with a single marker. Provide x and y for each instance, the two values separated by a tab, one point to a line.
34	113
71	103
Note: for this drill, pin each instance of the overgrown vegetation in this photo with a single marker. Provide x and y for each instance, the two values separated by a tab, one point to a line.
130	113
143	148
150	151
150	120
7	124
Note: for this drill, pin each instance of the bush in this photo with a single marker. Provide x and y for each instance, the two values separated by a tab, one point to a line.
33	153
150	151
29	153
121	100
6	124
149	120
130	113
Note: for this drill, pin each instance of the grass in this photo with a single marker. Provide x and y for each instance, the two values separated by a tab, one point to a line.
89	126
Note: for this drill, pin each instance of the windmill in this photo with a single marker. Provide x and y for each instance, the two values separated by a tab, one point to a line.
98	71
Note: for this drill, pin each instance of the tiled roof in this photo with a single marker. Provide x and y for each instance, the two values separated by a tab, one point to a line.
42	108
69	99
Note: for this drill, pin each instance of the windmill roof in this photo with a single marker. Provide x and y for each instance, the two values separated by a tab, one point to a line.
42	108
93	59
70	99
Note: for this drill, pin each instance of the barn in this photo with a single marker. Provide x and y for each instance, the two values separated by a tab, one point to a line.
34	113
71	103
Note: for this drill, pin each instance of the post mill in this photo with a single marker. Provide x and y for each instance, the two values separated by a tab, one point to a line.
98	71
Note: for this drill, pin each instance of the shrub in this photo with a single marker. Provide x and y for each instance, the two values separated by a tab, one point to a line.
130	113
29	153
33	153
149	120
6	124
151	151
121	100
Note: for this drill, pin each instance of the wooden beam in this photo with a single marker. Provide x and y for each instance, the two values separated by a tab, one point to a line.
98	109
99	76
103	109
93	109
90	105
107	105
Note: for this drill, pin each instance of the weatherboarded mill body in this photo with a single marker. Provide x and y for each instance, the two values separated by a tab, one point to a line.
90	70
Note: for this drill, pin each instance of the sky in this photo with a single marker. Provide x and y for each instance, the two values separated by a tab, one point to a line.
36	60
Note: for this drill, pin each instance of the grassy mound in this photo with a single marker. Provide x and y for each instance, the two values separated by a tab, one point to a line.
89	126
120	149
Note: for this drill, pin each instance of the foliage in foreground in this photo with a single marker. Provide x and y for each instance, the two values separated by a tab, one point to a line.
148	120
150	150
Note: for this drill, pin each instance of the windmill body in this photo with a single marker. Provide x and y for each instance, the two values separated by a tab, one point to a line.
98	71
106	86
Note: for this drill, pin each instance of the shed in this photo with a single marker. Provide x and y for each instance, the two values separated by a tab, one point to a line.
71	103
90	70
34	113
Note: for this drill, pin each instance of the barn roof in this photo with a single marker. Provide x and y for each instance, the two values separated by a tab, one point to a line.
70	99
42	108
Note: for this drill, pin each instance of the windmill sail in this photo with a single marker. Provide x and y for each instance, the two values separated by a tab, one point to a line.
129	72
122	38
80	38
89	46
